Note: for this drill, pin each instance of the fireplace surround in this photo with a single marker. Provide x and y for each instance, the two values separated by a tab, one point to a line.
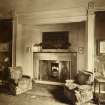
54	67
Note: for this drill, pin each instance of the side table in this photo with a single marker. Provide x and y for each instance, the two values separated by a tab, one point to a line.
99	81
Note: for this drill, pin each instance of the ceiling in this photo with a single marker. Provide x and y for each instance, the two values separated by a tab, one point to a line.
7	7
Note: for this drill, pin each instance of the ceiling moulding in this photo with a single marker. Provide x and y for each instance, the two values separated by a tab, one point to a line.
99	5
100	8
59	16
94	6
27	6
5	16
70	10
55	20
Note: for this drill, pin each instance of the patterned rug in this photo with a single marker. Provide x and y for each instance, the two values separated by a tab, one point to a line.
39	95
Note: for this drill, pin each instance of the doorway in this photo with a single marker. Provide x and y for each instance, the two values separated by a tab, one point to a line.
6	42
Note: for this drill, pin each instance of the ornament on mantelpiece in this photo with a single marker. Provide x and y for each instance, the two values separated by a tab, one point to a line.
37	47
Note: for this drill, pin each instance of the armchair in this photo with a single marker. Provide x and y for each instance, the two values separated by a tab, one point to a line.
19	83
80	90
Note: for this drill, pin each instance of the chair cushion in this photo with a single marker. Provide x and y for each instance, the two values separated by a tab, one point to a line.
82	78
15	73
24	83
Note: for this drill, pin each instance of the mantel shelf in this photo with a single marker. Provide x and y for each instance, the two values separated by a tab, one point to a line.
55	51
52	56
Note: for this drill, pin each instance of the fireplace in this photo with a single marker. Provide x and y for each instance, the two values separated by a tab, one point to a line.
54	66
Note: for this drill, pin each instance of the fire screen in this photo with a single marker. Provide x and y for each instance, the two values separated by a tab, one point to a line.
54	71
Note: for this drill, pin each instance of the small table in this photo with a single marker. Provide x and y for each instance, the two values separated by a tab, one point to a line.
98	80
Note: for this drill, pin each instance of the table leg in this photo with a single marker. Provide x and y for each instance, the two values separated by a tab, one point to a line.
94	94
99	93
94	88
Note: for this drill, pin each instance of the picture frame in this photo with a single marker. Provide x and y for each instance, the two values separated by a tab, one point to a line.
4	47
101	47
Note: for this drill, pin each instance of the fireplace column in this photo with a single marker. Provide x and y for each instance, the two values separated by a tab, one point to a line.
90	37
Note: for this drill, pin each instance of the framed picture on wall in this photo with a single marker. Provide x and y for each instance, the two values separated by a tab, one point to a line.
101	47
4	47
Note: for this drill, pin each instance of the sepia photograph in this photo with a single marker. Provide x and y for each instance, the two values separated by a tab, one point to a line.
52	52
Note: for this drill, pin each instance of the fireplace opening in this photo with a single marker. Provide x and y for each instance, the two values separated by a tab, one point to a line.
54	71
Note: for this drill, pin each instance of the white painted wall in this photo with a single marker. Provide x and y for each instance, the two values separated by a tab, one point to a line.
32	34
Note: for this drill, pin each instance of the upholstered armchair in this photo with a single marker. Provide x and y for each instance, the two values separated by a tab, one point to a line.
80	90
19	83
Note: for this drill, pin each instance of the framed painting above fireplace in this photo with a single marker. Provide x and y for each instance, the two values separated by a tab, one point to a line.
55	40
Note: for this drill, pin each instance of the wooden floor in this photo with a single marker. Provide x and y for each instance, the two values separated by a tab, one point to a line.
39	95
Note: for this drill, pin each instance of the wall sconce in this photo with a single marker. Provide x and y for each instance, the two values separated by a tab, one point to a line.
81	50
28	49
